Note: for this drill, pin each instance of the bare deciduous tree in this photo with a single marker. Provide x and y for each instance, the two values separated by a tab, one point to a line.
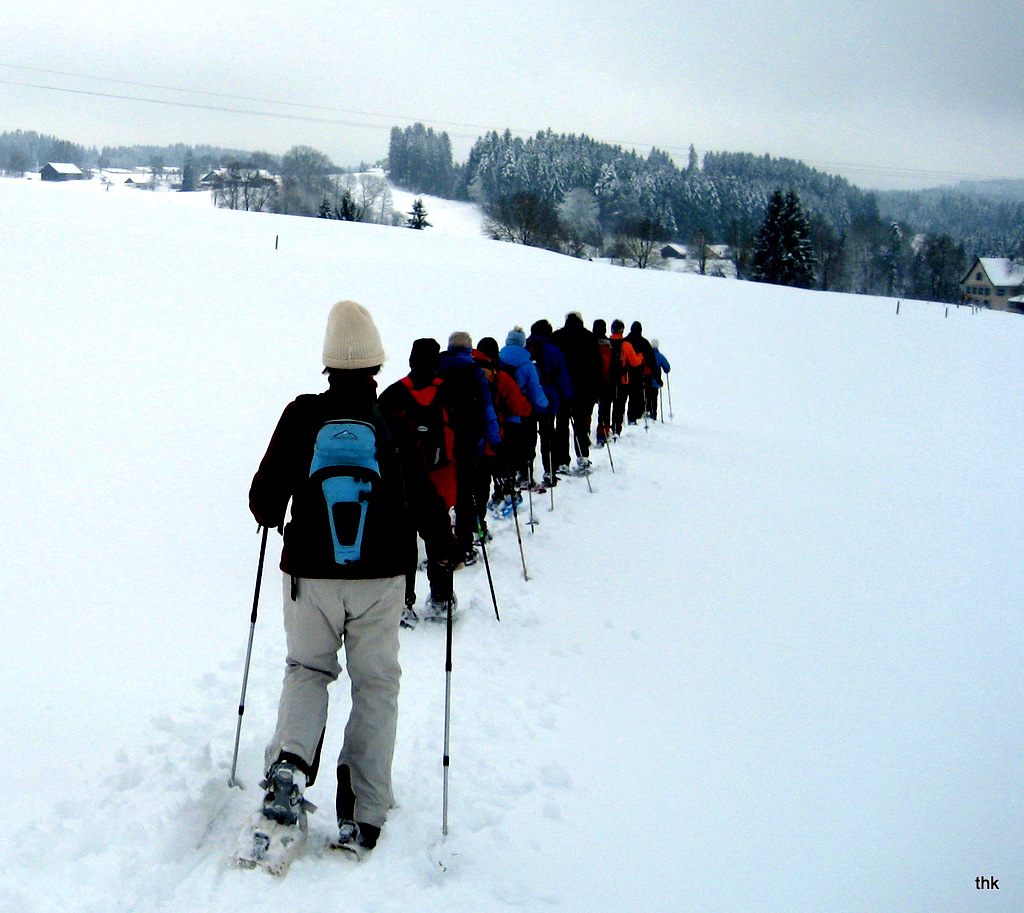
579	215
638	241
371	193
243	186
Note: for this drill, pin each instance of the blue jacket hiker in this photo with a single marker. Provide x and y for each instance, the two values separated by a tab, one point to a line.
554	378
473	421
516	357
660	367
521	434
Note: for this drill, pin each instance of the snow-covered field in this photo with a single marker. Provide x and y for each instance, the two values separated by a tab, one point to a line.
772	663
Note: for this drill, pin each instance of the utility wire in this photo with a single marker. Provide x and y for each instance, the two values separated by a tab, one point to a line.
246	98
203	107
876	170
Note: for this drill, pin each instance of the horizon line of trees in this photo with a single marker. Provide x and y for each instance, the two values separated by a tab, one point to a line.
585	197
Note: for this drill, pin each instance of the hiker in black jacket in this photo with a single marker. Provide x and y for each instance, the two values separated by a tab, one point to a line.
338	594
606	387
415	410
583	362
640	375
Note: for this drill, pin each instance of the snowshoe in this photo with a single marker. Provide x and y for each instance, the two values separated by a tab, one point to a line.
583	467
409	617
270	845
356	839
273	836
504	509
436	610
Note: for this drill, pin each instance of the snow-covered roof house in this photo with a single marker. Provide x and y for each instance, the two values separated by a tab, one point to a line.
60	171
994	282
674	252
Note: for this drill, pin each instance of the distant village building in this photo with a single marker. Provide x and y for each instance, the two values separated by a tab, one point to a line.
995	282
60	171
682	258
242	174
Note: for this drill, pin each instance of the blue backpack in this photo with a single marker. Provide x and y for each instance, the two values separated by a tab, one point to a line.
345	464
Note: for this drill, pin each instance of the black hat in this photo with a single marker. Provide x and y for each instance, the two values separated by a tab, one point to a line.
425	354
489	347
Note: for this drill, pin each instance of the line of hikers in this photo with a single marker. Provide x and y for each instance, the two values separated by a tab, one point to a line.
364	475
482	413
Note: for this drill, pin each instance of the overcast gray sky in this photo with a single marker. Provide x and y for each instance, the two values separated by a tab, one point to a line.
885	92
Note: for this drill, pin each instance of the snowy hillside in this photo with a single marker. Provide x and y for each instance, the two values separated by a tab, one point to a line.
771	664
446	217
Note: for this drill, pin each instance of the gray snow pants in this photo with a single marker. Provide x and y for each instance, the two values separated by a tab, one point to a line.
363	617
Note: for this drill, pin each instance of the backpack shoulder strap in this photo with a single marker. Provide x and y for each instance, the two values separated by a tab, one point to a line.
425	395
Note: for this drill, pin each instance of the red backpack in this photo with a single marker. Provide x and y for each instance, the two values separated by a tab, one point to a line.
429	420
605	348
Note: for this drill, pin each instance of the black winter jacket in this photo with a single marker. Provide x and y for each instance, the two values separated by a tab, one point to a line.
582	360
283	476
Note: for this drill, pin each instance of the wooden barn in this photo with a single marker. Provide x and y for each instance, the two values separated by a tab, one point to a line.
60	171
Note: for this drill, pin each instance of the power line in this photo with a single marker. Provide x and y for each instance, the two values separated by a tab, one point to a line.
895	171
196	105
271	101
875	170
245	98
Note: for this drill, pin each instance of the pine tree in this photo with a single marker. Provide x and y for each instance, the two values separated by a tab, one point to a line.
189	180
418	216
802	264
768	249
692	165
349	210
784	254
937	269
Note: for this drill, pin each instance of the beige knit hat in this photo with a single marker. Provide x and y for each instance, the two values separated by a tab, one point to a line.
352	341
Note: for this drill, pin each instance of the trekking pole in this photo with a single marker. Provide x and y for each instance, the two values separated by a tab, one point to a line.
490	579
532	522
668	386
248	654
661	405
519	534
608	447
446	760
487	562
551	469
